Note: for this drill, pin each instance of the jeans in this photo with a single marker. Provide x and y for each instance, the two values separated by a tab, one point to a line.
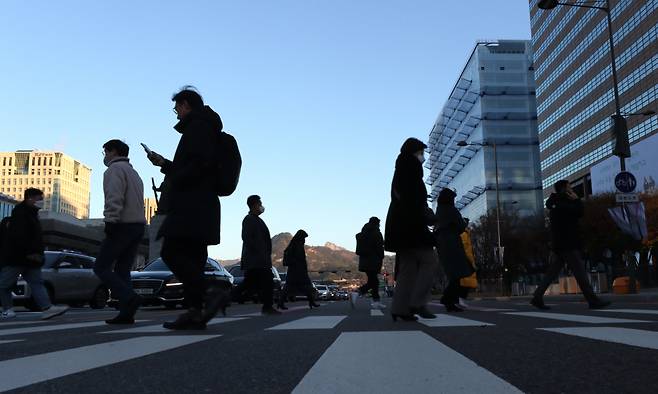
257	280
119	249
372	284
186	258
8	277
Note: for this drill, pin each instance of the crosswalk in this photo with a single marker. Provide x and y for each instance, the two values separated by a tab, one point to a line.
410	346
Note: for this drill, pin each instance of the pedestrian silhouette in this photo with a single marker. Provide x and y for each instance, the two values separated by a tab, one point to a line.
124	229
448	228
193	215
565	210
408	235
297	279
256	260
23	254
370	248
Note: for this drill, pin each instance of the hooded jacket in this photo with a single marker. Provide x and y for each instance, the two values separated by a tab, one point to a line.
124	193
193	207
24	237
564	214
408	214
372	254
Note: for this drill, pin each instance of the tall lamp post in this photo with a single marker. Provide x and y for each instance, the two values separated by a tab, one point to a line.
622	148
500	252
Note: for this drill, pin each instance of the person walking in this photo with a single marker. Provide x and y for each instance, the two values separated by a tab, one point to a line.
470	282
448	229
124	229
565	210
408	235
193	218
23	254
297	279
370	248
256	261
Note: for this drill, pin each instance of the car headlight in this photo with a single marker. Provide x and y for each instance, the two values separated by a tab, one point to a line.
173	282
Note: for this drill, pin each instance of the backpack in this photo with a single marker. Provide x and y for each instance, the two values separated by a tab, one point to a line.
360	239
229	164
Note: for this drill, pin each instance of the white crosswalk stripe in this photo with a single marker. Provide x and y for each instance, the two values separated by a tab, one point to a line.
426	365
157	328
53	365
54	327
376	312
443	320
574	318
310	323
635	311
10	341
626	336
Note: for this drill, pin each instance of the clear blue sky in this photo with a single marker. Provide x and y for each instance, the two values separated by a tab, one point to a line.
319	94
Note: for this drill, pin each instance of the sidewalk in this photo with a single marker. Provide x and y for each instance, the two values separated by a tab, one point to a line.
644	295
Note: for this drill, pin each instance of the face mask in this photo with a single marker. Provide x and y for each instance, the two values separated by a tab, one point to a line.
261	209
420	157
106	161
39	204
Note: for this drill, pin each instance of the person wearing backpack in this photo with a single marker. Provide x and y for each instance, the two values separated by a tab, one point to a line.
193	219
23	254
370	248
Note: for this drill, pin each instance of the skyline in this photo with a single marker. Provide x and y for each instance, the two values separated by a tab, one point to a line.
319	96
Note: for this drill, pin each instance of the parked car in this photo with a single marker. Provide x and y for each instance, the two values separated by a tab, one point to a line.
69	279
159	286
238	277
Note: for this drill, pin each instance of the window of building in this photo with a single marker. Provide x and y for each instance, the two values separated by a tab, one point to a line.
502	69
33	161
482	68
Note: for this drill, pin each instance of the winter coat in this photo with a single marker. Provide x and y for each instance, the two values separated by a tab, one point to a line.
564	214
372	248
124	193
24	238
256	243
408	214
294	258
193	207
447	229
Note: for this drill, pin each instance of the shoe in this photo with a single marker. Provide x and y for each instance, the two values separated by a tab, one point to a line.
423	312
282	307
453	308
539	304
54	311
121	320
462	303
270	311
404	317
8	314
190	320
218	300
353	297
378	305
599	304
312	305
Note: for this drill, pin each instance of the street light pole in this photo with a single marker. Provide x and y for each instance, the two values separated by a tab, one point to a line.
497	200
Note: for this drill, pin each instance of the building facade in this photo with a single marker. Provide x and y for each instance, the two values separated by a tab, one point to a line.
7	205
64	180
492	103
150	209
575	99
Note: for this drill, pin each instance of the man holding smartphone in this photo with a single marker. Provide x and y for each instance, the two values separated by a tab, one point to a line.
193	213
565	210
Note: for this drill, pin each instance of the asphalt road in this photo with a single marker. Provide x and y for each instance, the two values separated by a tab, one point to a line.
503	346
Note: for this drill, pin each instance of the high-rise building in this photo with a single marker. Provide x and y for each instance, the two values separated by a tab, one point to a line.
575	98
492	103
64	180
150	208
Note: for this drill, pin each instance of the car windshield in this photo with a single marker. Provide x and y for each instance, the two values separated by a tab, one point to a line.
321	287
157	265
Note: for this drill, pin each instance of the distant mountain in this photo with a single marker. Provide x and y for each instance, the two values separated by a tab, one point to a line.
322	260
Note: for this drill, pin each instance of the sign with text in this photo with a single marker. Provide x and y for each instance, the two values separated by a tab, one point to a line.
627	197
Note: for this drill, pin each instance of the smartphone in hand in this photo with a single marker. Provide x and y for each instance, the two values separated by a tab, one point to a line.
146	148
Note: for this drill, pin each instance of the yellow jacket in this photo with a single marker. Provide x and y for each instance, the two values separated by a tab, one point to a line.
470	281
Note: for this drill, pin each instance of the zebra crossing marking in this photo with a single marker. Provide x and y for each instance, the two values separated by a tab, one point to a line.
157	328
417	363
626	336
310	323
376	312
24	371
575	318
637	311
10	341
443	320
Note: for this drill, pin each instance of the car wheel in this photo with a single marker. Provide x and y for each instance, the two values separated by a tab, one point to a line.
99	299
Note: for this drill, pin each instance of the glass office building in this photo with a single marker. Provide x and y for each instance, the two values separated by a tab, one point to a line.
492	102
575	99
